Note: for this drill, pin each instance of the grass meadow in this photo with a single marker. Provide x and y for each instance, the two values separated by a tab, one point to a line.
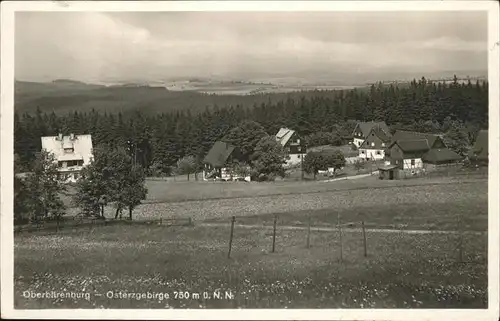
402	270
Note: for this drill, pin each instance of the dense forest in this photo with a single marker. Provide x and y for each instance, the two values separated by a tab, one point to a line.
165	137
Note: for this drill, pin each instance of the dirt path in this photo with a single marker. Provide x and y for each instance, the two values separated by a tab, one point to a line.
344	229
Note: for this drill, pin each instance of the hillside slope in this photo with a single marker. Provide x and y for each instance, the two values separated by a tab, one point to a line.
67	96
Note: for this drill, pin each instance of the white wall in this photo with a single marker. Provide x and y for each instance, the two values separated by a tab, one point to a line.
368	153
294	159
418	164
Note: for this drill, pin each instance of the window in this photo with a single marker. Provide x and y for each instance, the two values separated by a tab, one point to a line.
373	144
412	162
69	150
298	156
383	144
397	162
378	152
362	152
373	134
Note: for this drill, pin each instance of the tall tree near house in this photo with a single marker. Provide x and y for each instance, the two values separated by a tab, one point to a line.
111	177
132	190
313	162
336	160
96	183
245	136
43	188
269	157
186	166
457	138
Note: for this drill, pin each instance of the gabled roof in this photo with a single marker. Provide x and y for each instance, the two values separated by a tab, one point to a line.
284	135
440	155
409	135
480	148
366	127
219	154
412	146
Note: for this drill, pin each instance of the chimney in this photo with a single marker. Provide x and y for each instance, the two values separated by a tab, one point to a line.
72	136
60	137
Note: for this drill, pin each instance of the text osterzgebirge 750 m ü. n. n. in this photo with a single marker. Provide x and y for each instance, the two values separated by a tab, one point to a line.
173	295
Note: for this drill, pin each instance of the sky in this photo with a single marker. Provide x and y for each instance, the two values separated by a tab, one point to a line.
154	46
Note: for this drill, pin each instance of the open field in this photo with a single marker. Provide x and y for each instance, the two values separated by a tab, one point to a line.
401	270
418	204
165	191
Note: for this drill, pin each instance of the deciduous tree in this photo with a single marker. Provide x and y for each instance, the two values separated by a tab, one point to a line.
268	158
43	189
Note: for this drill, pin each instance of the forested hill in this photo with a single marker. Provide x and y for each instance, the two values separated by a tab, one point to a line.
165	137
66	96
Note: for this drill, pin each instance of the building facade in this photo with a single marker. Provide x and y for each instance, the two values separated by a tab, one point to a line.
374	145
294	146
363	129
407	155
72	153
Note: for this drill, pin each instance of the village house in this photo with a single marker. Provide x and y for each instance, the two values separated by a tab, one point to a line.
413	150
479	152
363	129
71	153
407	154
374	145
218	162
294	146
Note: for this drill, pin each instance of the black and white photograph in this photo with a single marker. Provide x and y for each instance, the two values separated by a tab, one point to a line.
310	157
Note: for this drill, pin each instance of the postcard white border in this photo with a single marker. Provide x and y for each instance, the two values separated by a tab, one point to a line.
8	10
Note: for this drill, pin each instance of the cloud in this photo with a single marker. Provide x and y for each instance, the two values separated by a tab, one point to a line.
148	46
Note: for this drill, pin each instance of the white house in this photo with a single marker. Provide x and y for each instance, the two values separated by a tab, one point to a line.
294	146
362	130
71	153
374	145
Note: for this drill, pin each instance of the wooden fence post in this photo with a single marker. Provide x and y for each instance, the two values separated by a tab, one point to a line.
309	232
460	239
274	232
340	236
231	236
364	238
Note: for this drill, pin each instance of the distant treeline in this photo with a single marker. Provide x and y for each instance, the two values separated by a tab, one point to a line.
165	137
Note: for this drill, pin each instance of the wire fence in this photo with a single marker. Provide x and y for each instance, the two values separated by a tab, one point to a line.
275	233
350	239
76	223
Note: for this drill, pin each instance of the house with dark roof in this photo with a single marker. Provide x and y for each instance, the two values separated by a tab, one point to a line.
411	150
407	154
434	140
479	152
294	146
362	130
218	161
441	156
374	145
